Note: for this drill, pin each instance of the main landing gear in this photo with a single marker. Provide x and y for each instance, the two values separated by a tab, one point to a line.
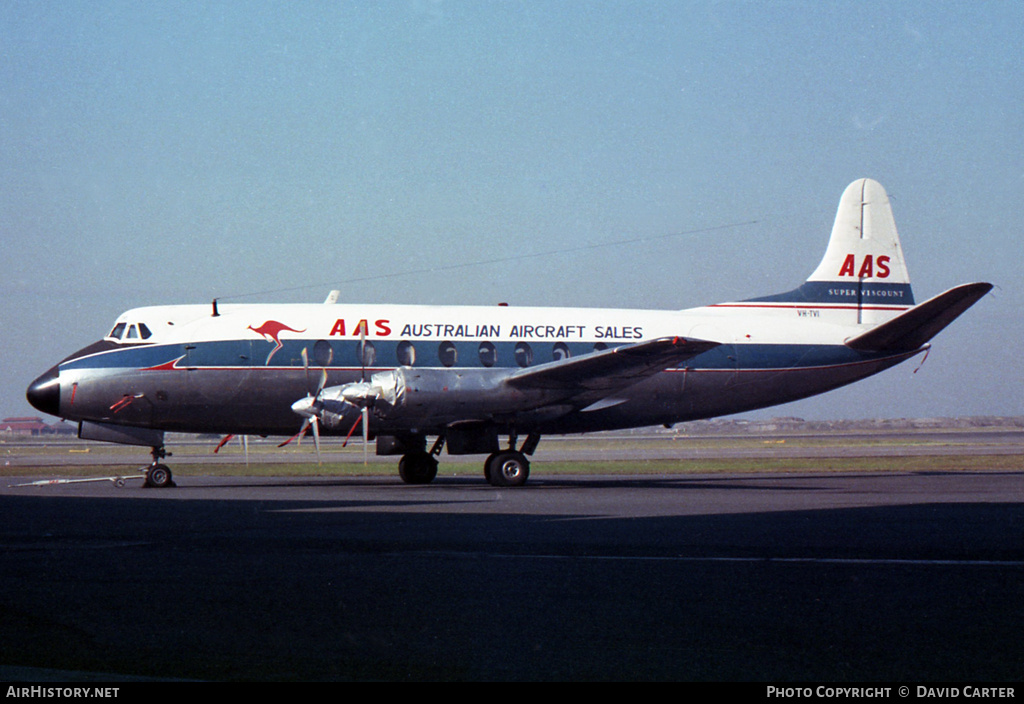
508	468
504	468
158	475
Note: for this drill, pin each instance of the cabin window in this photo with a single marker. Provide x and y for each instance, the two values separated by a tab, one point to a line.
447	353
366	353
323	353
524	354
600	346
406	353
560	351
488	354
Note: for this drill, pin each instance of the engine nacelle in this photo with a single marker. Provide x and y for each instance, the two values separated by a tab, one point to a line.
443	395
338	414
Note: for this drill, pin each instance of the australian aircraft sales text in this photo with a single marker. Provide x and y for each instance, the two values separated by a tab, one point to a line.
522	332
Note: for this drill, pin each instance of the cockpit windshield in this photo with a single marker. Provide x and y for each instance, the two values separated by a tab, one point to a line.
130	332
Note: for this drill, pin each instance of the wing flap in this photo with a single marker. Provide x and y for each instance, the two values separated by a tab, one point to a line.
611	369
912	329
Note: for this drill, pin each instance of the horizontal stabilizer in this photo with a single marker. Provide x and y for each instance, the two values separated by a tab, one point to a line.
913	328
611	369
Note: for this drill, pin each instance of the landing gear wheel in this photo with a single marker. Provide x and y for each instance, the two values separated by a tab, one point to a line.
417	468
159	476
509	468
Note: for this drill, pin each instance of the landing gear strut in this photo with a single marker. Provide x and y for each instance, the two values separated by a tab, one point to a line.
158	475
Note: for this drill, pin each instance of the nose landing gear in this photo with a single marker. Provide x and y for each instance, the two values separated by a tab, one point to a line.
158	475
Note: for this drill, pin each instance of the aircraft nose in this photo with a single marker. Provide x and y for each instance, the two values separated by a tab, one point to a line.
44	392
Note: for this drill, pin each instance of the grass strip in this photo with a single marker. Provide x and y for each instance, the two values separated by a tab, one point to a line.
940	463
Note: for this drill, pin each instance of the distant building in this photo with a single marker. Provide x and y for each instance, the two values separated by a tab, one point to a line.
33	426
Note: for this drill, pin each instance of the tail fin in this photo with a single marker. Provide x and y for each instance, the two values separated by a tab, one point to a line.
864	264
863	270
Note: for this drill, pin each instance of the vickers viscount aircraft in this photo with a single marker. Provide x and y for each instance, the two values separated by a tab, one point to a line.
468	376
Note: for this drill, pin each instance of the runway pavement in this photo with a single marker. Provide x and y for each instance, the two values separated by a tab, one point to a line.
756	577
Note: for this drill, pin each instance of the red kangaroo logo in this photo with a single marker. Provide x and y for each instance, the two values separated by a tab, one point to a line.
271	331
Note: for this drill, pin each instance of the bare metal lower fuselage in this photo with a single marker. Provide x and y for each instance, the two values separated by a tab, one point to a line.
256	401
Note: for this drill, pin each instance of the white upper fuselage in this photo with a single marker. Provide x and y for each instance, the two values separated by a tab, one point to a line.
421	325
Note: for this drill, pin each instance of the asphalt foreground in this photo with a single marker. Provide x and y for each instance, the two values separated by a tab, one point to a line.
909	578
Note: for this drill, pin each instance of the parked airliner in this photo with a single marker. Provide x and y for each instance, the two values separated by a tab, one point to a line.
469	375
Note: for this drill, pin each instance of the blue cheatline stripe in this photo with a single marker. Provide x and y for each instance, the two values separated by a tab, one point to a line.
844	292
388	354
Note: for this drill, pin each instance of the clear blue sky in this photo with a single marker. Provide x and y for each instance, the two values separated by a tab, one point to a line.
172	152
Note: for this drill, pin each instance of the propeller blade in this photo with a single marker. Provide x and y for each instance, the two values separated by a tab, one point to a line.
298	435
366	432
222	443
305	366
316	437
362	352
352	430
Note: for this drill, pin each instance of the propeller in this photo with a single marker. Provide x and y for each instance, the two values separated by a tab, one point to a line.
309	407
335	405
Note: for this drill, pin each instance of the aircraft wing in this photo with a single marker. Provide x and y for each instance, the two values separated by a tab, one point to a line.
609	370
913	328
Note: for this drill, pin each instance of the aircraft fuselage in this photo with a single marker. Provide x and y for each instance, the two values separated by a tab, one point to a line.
209	373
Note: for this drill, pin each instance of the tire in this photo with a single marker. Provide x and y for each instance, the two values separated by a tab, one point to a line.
159	476
417	468
508	469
